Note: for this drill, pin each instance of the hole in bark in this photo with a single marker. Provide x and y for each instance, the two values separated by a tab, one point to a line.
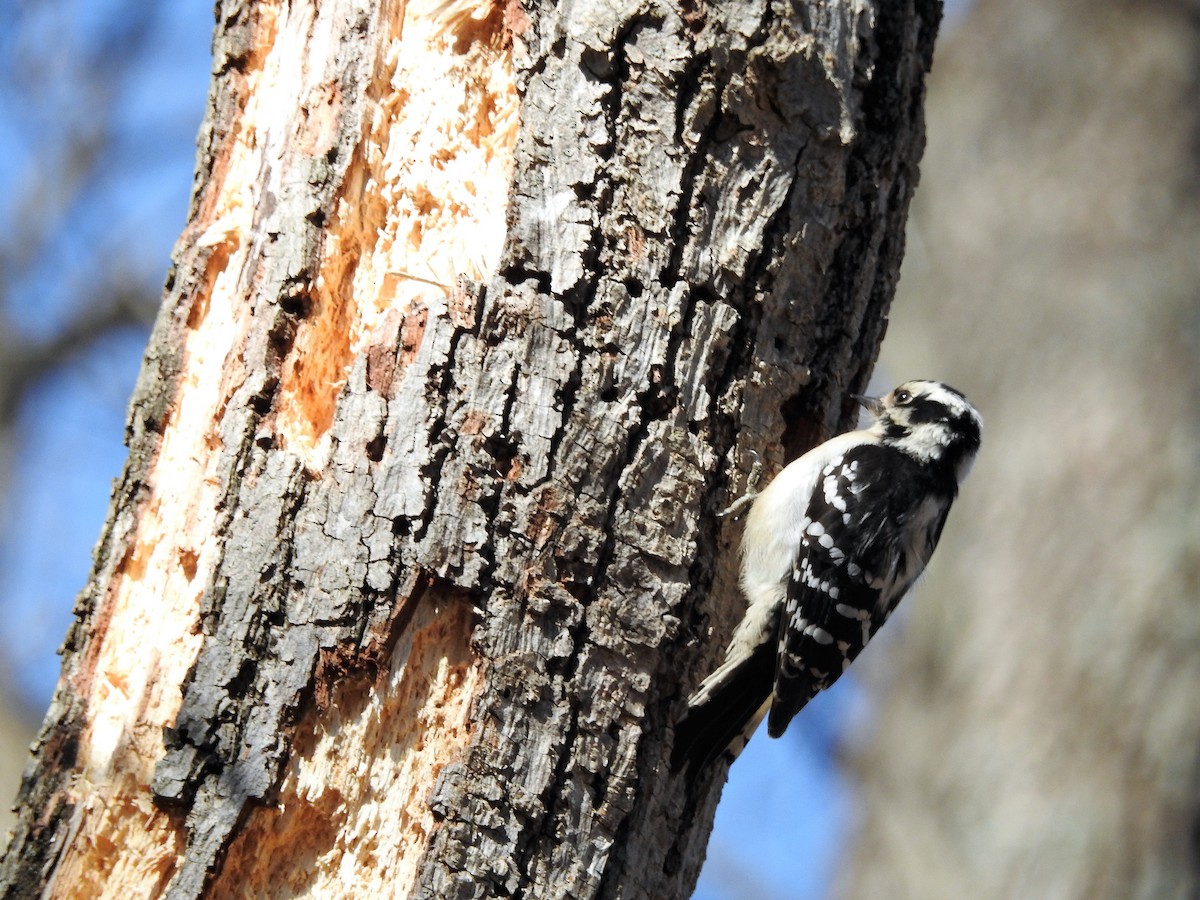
634	286
598	63
662	397
503	450
297	305
671	862
261	402
609	394
692	13
519	274
375	448
240	684
801	431
282	336
702	293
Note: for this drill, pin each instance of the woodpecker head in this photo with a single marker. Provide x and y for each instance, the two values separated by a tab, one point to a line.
930	421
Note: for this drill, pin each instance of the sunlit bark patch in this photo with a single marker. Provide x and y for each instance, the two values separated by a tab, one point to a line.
423	200
358	783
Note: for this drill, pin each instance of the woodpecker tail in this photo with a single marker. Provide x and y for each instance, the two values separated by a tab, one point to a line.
724	712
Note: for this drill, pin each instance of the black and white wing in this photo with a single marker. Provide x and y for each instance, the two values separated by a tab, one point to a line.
852	567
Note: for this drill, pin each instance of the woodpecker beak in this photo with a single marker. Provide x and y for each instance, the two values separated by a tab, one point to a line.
873	405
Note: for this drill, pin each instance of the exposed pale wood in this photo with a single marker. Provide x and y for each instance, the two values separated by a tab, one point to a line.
415	556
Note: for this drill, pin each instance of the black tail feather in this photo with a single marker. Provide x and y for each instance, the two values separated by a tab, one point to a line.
708	730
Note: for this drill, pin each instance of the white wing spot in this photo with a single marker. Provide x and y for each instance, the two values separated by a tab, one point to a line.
832	496
806	575
818	634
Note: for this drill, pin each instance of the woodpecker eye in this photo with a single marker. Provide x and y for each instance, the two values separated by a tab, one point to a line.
902	396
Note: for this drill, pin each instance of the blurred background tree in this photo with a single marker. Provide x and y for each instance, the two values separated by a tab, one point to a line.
99	105
1029	728
1036	729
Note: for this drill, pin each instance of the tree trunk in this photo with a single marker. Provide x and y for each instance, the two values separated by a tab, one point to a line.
1039	727
415	556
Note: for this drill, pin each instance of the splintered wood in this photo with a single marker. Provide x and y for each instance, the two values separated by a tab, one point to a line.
357	789
423	201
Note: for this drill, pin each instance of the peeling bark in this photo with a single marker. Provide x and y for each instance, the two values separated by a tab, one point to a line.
415	554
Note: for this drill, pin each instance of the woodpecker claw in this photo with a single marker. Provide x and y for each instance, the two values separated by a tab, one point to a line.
752	481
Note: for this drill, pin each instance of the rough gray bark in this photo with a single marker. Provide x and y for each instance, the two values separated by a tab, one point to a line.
1039	730
704	229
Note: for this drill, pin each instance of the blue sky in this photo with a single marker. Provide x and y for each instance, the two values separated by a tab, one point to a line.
65	245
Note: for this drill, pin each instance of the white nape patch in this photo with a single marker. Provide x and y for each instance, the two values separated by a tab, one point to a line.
953	401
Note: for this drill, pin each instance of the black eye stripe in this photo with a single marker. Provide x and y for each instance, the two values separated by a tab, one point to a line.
925	410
